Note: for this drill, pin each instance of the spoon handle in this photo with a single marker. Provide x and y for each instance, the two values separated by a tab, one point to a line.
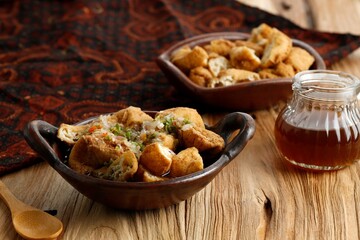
10	200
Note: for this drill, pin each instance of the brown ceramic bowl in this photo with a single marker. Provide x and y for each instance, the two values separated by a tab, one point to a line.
41	136
245	96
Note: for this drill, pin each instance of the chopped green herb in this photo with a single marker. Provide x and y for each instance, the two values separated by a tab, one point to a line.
153	135
169	125
128	134
140	144
186	121
117	130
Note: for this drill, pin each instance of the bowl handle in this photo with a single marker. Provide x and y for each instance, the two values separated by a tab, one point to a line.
39	135
228	125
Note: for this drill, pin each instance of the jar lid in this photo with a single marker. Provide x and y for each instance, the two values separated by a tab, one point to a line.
326	85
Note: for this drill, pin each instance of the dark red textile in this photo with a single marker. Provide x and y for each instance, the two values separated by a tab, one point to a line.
63	61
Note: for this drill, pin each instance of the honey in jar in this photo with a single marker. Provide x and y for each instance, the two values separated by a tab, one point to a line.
319	129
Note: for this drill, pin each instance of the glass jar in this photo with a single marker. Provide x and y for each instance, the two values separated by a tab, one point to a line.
319	129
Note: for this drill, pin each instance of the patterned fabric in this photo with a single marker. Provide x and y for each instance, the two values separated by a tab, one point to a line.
63	61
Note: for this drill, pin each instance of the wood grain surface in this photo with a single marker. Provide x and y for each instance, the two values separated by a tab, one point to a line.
256	196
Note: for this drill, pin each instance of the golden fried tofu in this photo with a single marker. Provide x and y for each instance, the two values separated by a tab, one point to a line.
240	75
144	150
167	140
89	153
180	53
213	55
132	117
217	64
244	58
220	46
156	158
300	59
259	49
284	70
261	34
268	53
225	80
143	175
268	73
277	49
189	114
198	57
121	169
71	133
204	140
185	162
200	75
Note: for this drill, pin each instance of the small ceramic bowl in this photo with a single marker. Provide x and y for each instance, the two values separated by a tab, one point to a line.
244	96
42	137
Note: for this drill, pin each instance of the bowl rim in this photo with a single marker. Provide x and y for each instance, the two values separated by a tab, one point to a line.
164	58
53	158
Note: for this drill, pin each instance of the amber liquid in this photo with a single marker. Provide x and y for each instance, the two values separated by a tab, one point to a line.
317	149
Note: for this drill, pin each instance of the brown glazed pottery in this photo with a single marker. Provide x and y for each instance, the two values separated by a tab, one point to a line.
42	137
246	96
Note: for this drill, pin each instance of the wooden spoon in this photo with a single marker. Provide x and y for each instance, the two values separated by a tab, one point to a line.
29	222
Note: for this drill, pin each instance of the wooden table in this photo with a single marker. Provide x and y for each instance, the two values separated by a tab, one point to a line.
255	197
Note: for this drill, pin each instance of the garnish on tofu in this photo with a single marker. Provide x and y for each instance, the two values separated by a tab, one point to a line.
130	145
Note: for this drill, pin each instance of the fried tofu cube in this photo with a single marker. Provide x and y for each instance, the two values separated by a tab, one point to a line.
259	49
300	59
204	140
121	169
225	80
268	73
132	117
220	46
198	57
244	58
240	75
261	34
277	49
200	76
186	162
71	133
90	153
284	70
217	64
189	114
167	140
180	53
143	175
213	55
156	158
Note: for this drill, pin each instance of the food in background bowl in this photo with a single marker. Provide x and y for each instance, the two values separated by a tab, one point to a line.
268	53
244	95
130	145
